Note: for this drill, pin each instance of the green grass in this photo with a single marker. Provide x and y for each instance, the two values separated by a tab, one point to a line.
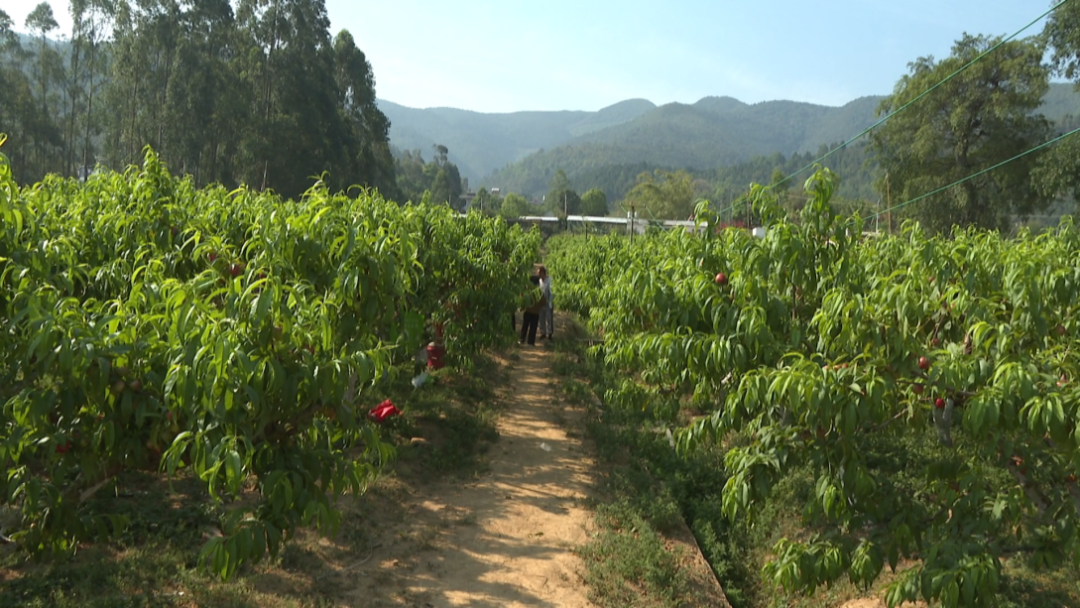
648	491
628	563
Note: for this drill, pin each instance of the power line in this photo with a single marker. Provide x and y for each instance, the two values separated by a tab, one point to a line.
916	98
974	175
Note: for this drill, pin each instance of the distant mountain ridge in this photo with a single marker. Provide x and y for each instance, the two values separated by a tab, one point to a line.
519	151
480	143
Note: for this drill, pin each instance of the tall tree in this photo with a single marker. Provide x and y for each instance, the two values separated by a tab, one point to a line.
19	114
371	161
440	189
299	130
515	205
561	198
46	70
664	194
594	202
982	116
1058	173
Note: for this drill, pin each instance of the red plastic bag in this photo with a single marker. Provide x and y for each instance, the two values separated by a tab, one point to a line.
384	410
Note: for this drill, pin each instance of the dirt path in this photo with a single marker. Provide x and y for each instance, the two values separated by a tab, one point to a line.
506	538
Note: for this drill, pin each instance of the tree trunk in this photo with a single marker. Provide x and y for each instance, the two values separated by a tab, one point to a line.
89	103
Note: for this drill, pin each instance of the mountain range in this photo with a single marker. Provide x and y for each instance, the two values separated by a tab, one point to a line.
519	151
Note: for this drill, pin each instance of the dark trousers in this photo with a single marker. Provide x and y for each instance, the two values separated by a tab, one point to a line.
528	326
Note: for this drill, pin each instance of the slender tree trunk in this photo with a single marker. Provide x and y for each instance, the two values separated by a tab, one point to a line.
89	103
69	138
134	108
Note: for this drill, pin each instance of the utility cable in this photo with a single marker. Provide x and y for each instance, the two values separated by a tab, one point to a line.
974	175
916	98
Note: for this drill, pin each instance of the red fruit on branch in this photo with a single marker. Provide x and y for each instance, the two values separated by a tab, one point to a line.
212	256
939	403
136	385
935	342
721	278
924	363
917	389
63	448
237	269
117	388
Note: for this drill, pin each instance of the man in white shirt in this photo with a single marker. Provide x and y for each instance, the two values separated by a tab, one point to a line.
547	313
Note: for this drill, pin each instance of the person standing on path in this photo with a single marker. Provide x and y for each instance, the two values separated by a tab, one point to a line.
532	314
547	313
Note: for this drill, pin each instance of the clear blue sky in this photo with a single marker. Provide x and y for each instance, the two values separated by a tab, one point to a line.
504	56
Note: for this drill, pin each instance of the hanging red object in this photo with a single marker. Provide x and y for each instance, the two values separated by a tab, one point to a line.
435	352
384	410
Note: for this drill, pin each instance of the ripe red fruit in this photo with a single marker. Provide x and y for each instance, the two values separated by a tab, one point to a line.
212	256
935	342
117	388
136	385
924	363
939	403
721	278
63	448
237	269
917	389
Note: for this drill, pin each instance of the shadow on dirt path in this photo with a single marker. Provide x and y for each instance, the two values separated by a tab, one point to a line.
503	539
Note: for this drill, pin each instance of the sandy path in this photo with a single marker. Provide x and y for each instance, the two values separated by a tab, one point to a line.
504	539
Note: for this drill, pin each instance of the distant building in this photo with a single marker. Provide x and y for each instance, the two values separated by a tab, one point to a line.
465	200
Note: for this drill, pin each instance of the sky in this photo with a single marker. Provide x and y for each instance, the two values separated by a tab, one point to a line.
509	55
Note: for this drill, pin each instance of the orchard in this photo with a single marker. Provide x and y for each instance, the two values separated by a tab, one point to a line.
922	382
225	335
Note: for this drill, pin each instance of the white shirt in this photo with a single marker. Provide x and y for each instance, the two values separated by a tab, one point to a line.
545	286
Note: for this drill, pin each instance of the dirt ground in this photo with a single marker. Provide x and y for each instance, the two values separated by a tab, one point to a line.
502	539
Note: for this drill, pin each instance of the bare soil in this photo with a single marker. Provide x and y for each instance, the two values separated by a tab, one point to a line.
502	539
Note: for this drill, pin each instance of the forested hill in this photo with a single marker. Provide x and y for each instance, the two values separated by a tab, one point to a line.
519	152
714	132
480	143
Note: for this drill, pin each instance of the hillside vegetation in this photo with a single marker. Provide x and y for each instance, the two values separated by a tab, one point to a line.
716	133
521	151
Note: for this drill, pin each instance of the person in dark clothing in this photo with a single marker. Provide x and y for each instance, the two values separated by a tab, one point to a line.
531	318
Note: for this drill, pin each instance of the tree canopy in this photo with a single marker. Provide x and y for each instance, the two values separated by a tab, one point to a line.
664	194
1058	174
594	203
981	117
261	95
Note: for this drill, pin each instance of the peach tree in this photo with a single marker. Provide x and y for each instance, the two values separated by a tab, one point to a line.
926	384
